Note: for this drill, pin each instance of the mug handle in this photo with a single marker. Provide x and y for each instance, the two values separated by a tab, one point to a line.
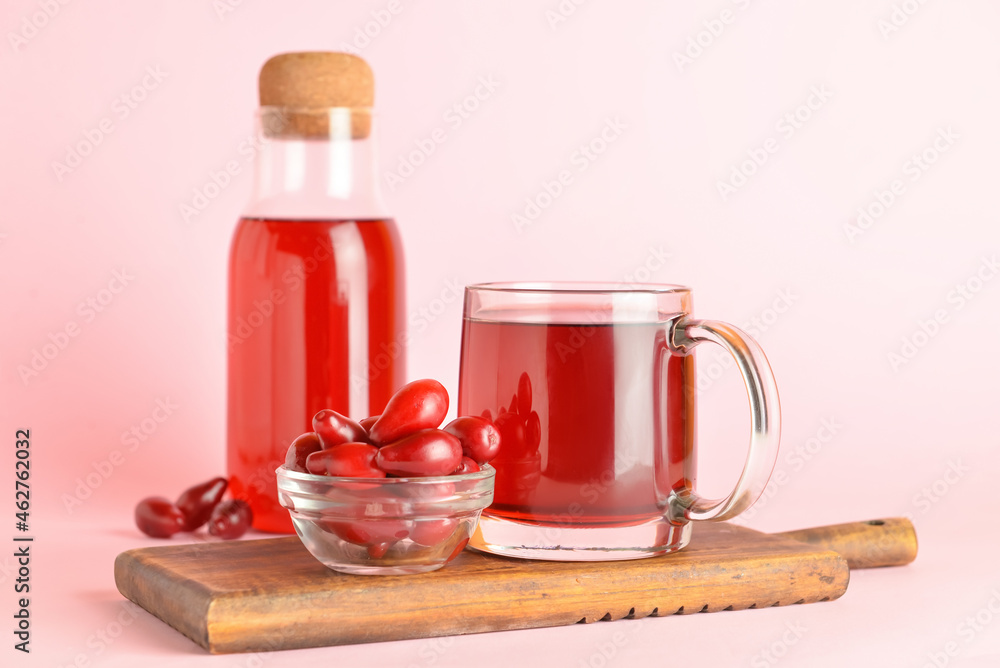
765	420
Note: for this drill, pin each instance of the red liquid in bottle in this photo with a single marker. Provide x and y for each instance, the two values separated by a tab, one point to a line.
315	321
610	431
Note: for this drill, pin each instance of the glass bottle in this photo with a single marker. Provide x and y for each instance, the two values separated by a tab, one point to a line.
316	293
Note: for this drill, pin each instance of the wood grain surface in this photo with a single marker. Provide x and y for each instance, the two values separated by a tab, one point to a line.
272	594
871	544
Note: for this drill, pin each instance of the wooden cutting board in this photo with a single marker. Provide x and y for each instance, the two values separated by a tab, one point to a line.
260	595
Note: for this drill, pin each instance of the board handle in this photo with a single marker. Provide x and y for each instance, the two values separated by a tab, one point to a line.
887	542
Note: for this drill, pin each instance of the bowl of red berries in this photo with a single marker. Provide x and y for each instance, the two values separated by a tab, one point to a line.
391	494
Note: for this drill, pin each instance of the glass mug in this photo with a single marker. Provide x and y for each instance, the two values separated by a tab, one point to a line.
592	387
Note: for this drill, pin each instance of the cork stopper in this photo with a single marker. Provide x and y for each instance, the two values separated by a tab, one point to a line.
301	88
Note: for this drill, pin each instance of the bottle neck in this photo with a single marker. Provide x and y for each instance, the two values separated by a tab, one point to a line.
315	164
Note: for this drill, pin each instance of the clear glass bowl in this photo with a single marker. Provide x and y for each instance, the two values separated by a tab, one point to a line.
385	526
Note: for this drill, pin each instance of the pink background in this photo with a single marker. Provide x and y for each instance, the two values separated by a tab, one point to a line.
917	438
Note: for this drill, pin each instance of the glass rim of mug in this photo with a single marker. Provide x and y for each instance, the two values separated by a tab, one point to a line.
578	287
576	302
